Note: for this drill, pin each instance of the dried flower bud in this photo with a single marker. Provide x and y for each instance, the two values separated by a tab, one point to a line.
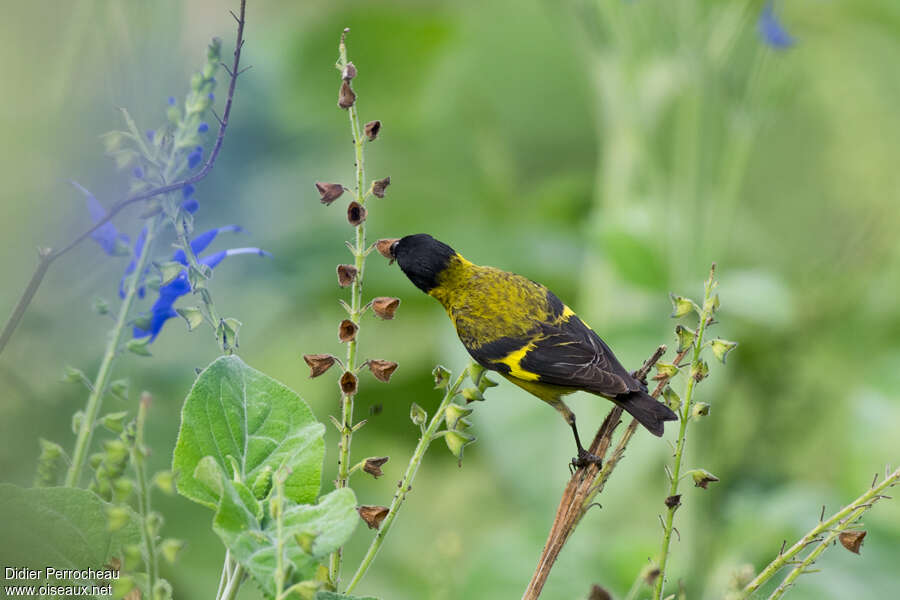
702	478
346	275
384	248
373	464
348	383
371	129
650	574
721	348
673	501
385	307
682	306
379	185
356	213
598	593
348	72
852	540
347	330
685	337
382	369
346	97
319	363
372	515
329	192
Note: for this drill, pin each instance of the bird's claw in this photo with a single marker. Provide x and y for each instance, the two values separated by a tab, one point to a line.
585	458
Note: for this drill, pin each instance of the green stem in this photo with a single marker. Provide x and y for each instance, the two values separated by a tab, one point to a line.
863	502
138	455
233	584
705	316
95	399
279	547
406	483
359	254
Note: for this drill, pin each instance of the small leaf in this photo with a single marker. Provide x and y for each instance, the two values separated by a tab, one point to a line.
193	315
441	377
139	346
685	337
456	442
702	478
263	483
417	414
721	348
454	412
682	306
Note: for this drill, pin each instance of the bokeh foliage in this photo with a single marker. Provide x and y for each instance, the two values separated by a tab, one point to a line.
586	146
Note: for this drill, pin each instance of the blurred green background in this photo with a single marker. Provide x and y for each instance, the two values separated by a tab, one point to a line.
611	150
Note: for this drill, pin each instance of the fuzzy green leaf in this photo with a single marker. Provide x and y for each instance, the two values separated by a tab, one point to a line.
234	410
67	528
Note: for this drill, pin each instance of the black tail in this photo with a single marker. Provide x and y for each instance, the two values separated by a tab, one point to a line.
649	412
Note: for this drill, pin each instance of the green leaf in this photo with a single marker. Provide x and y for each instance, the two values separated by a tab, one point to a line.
63	527
253	542
336	596
235	410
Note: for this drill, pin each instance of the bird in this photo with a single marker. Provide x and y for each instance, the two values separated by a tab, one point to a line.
523	331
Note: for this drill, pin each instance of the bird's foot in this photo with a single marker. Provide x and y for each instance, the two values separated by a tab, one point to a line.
585	458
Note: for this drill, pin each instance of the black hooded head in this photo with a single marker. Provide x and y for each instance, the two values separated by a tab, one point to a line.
422	258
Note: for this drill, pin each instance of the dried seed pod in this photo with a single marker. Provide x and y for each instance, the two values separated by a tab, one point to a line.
329	192
348	383
347	330
650	575
346	275
371	129
356	213
372	515
319	363
852	540
384	247
382	369
373	464
385	307
673	501
378	186
598	593
346	97
348	72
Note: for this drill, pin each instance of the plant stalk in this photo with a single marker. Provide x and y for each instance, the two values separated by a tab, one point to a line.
95	398
406	483
138	456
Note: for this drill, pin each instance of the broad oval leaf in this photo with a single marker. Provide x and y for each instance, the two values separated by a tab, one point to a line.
63	527
236	411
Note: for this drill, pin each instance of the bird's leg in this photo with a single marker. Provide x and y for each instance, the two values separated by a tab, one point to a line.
584	457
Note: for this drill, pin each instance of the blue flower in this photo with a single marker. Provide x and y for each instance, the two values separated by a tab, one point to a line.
138	172
770	29
171	100
195	157
150	134
107	236
189	203
202	242
163	309
203	127
212	97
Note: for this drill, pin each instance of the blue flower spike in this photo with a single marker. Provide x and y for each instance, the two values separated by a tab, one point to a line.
163	309
771	30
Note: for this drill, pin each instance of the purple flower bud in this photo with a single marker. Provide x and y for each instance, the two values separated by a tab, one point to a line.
195	157
771	30
190	205
212	97
138	172
203	127
171	100
187	191
150	134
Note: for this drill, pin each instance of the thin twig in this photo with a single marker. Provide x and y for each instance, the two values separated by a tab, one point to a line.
585	484
47	256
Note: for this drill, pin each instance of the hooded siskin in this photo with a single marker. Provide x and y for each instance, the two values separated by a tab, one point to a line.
520	329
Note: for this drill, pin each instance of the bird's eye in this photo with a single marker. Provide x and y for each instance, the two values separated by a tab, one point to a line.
394	249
